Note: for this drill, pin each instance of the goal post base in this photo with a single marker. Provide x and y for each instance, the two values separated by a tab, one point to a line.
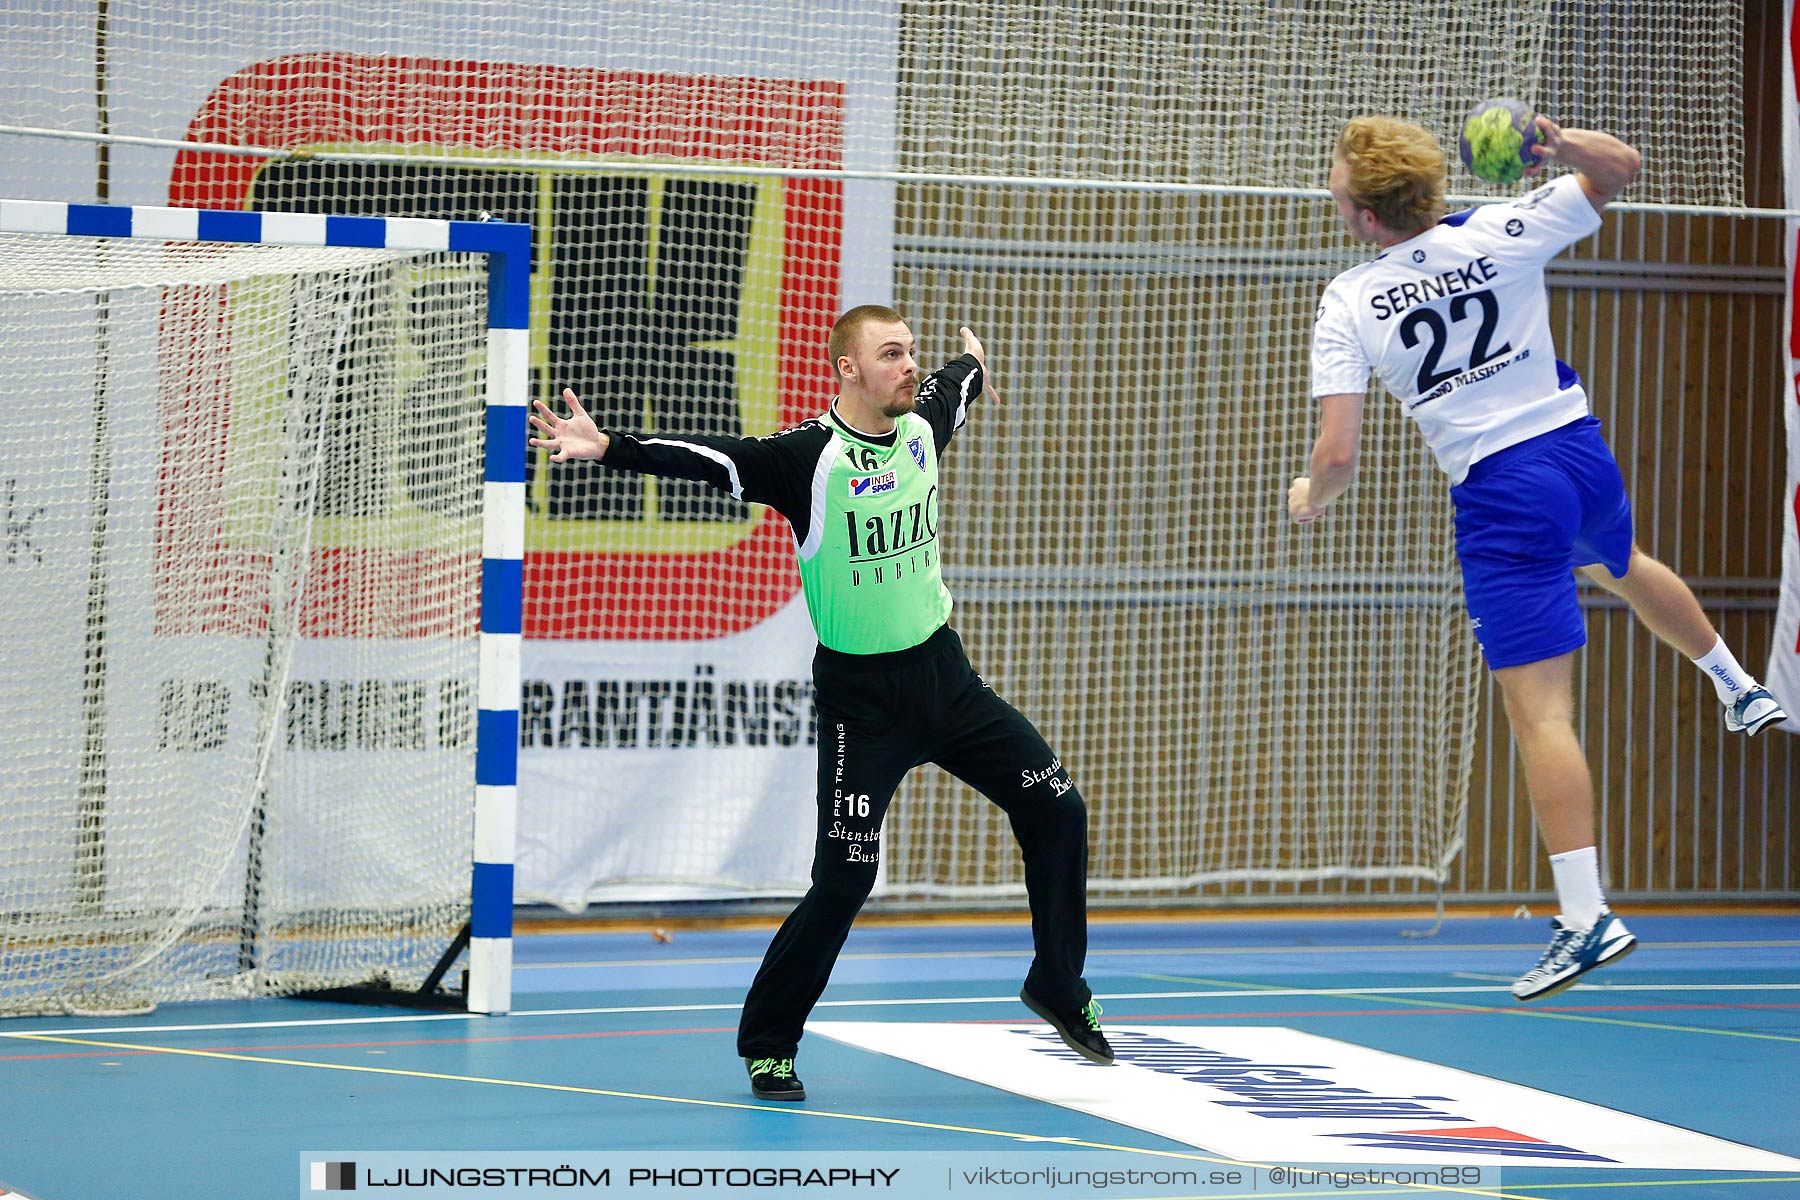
382	996
429	994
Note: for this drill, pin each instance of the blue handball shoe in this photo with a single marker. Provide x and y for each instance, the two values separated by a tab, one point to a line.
1753	710
1573	953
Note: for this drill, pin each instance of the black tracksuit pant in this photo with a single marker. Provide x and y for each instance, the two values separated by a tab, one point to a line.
881	715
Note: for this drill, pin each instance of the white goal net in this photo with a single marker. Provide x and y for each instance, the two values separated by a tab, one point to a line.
1121	196
241	491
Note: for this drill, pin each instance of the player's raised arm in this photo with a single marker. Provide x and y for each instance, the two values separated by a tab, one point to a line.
972	345
946	396
574	436
1603	163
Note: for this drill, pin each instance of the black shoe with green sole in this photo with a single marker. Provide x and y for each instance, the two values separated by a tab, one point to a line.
1079	1028
774	1079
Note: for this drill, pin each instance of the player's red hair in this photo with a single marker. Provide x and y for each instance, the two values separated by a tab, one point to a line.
1395	169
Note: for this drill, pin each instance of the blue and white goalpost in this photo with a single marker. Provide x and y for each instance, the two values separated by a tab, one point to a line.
144	746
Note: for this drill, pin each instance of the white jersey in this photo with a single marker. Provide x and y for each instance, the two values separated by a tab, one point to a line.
1456	323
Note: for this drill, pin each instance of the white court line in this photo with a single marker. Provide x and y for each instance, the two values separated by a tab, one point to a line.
1191	951
1260	994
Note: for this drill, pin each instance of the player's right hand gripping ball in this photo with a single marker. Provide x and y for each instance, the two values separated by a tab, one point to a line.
1497	137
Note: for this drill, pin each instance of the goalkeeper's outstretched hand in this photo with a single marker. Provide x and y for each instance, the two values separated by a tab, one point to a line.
575	436
972	345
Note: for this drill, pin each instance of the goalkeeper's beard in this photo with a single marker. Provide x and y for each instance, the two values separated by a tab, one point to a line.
904	400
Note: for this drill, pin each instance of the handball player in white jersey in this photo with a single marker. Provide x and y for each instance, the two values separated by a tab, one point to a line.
1453	316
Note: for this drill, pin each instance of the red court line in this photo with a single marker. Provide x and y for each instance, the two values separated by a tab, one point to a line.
1123	1019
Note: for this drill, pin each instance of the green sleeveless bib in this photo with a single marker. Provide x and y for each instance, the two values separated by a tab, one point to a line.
869	566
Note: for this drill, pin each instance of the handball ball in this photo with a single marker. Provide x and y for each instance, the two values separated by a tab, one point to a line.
1497	137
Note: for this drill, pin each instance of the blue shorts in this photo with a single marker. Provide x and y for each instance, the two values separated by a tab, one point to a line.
1526	517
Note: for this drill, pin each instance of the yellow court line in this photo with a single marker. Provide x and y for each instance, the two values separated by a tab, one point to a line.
1540	1014
591	1091
1414	1189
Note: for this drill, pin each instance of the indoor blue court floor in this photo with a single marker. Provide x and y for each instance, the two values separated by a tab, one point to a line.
623	1041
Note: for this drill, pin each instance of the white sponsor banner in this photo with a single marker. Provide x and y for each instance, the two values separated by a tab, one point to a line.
1273	1095
1784	656
668	761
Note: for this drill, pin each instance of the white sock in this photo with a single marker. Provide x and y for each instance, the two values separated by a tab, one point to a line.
1578	886
1728	678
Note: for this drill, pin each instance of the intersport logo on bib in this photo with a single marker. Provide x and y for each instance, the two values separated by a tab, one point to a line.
873	485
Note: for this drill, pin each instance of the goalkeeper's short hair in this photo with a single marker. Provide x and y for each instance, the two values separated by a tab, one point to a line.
846	327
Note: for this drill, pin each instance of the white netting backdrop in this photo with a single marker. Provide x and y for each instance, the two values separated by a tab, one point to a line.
1187	91
242	493
1237	700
